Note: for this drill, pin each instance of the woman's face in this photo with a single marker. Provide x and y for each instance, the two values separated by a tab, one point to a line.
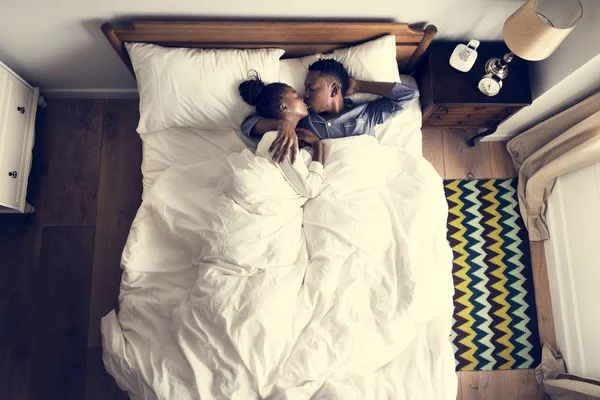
294	104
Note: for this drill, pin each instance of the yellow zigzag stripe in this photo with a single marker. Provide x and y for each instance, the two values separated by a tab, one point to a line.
499	272
465	281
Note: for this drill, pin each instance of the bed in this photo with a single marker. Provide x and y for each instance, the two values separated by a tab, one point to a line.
222	322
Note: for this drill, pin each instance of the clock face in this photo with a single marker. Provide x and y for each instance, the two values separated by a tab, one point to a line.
489	86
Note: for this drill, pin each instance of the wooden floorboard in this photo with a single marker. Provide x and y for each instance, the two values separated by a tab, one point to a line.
502	165
73	129
459	395
119	197
543	302
16	238
463	162
500	385
99	385
433	149
61	292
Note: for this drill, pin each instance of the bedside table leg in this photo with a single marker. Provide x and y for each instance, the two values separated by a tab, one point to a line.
485	133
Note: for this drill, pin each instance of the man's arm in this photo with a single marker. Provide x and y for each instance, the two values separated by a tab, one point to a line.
391	90
396	98
378	88
255	127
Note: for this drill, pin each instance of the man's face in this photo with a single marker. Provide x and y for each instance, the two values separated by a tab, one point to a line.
318	93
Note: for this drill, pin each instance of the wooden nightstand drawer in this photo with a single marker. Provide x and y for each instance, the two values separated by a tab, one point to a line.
471	124
463	110
453	116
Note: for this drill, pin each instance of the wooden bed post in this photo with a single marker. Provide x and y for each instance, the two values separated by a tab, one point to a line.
109	31
430	32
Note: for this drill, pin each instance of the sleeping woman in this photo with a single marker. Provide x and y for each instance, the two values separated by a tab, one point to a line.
281	102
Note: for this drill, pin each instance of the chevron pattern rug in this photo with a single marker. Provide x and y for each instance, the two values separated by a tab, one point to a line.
495	322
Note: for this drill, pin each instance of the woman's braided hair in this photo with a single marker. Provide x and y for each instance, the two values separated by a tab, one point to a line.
266	98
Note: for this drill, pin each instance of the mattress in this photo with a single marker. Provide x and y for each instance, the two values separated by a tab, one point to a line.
188	146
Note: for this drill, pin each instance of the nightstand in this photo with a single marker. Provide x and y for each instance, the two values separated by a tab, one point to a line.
18	107
450	99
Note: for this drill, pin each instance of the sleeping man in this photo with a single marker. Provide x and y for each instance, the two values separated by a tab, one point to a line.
331	115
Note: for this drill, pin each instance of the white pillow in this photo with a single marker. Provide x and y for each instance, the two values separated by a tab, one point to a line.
371	61
293	71
196	88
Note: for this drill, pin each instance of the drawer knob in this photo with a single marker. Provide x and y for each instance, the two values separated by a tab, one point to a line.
21	110
13	174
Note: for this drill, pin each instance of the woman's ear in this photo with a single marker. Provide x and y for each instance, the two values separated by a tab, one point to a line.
284	108
335	89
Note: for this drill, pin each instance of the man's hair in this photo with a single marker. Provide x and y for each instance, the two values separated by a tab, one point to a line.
332	70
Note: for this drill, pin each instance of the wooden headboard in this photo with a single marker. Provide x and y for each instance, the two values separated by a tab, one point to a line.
296	38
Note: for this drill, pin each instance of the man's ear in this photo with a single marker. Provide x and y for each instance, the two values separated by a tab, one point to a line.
335	89
284	108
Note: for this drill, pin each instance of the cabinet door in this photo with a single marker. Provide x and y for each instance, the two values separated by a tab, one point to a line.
12	136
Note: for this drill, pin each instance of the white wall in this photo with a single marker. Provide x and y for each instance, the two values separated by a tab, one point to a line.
580	84
572	254
582	44
57	44
568	76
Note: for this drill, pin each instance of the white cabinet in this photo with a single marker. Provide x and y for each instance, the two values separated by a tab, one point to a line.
18	106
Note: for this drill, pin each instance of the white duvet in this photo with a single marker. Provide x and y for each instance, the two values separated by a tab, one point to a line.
235	287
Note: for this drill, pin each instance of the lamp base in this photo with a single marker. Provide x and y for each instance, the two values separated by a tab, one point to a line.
499	67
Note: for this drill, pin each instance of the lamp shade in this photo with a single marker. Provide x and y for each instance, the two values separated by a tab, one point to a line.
531	35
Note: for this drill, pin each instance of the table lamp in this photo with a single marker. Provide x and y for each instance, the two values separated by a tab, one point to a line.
534	31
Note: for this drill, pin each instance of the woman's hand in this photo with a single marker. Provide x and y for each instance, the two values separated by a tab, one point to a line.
306	136
286	142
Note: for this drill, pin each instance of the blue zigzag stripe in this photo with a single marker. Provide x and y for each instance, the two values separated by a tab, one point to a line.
467	208
520	318
473	217
512	265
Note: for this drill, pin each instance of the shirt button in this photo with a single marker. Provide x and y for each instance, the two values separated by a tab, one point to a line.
329	124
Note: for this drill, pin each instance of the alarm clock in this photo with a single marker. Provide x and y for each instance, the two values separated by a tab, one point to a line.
490	85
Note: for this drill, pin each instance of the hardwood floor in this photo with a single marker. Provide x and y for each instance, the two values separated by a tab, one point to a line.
60	266
453	159
60	269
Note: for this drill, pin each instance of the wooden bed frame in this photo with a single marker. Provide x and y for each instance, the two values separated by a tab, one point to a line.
296	38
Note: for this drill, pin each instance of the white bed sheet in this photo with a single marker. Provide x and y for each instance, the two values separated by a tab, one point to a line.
187	146
250	295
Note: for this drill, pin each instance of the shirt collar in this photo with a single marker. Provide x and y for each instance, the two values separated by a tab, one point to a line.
348	104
